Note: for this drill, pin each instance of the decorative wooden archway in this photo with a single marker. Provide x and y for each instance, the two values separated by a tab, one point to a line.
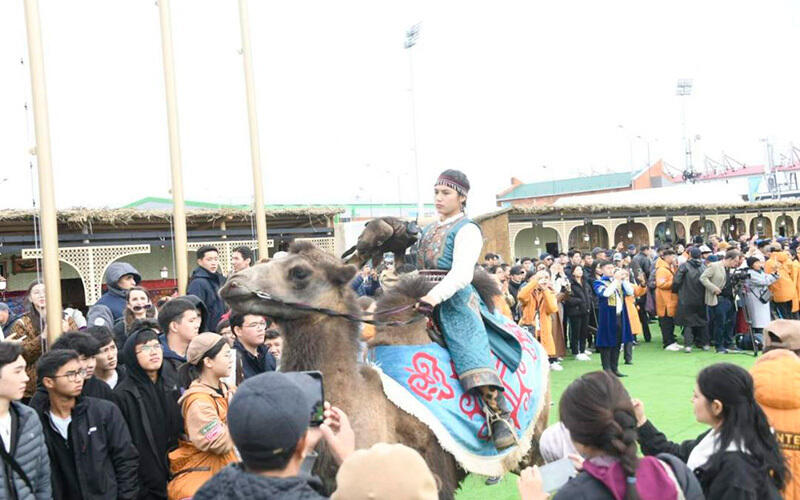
90	262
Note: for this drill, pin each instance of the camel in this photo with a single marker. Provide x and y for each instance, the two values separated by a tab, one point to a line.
313	341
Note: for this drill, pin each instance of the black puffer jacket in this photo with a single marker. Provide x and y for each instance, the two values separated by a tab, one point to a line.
691	294
205	286
580	300
233	483
105	457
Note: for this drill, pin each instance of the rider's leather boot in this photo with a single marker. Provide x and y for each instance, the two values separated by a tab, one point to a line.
498	417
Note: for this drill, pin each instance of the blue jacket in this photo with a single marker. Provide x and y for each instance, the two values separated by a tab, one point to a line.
206	285
366	287
169	368
115	298
607	315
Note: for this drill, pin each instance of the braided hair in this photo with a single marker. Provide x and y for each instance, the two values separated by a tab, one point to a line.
598	412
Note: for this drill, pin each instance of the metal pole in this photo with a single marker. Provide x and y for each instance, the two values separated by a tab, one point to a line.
252	118
420	206
47	204
178	213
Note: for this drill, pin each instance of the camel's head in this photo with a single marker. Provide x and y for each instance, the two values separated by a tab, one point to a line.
307	275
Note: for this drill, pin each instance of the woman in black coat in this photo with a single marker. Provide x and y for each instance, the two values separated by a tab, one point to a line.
150	410
739	457
691	312
577	308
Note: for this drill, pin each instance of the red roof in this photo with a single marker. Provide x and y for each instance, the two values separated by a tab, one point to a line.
740	172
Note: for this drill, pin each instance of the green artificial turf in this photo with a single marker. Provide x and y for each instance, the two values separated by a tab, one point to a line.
663	380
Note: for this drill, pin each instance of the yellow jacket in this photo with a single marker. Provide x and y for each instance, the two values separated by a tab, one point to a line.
633	311
535	300
781	403
666	301
785	289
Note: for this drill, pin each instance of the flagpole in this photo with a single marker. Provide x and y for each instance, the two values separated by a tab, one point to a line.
178	211
252	118
47	204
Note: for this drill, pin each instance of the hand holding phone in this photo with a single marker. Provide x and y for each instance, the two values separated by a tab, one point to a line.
556	474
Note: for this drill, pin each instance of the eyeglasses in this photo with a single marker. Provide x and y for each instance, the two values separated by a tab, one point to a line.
139	308
147	349
261	325
73	376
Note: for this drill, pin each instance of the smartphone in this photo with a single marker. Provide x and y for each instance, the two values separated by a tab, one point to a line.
556	474
311	384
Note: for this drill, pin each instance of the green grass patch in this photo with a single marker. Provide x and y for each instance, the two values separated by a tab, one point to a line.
663	380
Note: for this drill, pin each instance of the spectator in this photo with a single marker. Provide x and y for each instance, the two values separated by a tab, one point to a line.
137	307
577	307
4	317
575	260
515	282
538	302
491	260
120	277
224	329
274	342
666	299
718	282
25	473
241	258
179	323
207	446
252	355
504	301
691	312
781	402
739	456
639	289
205	283
31	330
366	283
527	264
757	295
599	415
613	323
91	454
784	290
149	409
87	348
202	311
555	443
100	315
271	461
107	367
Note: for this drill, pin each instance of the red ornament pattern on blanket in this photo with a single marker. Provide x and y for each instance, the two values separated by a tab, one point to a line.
427	380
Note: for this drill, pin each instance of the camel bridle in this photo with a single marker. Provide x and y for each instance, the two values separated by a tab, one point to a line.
299	306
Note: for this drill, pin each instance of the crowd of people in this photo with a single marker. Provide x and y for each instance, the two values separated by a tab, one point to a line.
181	398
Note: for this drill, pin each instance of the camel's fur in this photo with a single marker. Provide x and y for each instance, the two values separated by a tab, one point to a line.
313	341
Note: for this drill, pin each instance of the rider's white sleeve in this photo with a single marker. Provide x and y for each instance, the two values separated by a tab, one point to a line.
468	245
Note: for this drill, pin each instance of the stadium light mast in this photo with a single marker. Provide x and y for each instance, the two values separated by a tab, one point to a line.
684	89
412	35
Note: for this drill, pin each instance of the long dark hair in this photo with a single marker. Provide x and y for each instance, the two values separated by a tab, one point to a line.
188	372
743	421
598	412
31	311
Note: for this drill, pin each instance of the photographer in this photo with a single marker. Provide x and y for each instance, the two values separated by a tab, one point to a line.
718	282
366	282
757	295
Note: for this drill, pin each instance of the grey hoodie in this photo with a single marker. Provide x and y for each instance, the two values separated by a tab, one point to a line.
115	298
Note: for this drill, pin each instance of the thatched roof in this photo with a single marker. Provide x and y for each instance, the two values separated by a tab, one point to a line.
649	208
124	216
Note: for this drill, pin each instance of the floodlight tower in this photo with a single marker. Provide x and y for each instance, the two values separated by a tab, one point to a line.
412	35
684	90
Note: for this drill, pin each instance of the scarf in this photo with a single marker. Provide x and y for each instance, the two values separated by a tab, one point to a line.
707	447
653	482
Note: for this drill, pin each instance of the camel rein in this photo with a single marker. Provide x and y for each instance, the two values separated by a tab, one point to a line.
351	317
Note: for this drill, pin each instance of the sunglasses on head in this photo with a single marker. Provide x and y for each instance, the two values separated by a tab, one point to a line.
139	308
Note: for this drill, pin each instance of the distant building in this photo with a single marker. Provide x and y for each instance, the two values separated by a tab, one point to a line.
548	192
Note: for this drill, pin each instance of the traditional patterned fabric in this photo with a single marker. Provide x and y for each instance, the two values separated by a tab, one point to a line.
607	318
437	244
422	380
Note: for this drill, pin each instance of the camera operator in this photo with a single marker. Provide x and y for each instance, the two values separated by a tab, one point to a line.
718	281
757	295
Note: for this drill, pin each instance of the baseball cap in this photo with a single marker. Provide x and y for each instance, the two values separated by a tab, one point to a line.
385	471
782	334
696	253
200	345
267	417
631	247
617	256
704	249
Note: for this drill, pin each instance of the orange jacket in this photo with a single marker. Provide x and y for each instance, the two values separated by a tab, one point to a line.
633	311
501	306
785	289
781	403
209	447
666	301
533	300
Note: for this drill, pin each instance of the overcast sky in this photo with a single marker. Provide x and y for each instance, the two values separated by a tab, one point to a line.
502	88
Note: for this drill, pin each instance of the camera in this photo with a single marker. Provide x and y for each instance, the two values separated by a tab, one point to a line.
740	275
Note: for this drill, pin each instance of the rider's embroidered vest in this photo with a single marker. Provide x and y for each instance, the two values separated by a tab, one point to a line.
437	244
